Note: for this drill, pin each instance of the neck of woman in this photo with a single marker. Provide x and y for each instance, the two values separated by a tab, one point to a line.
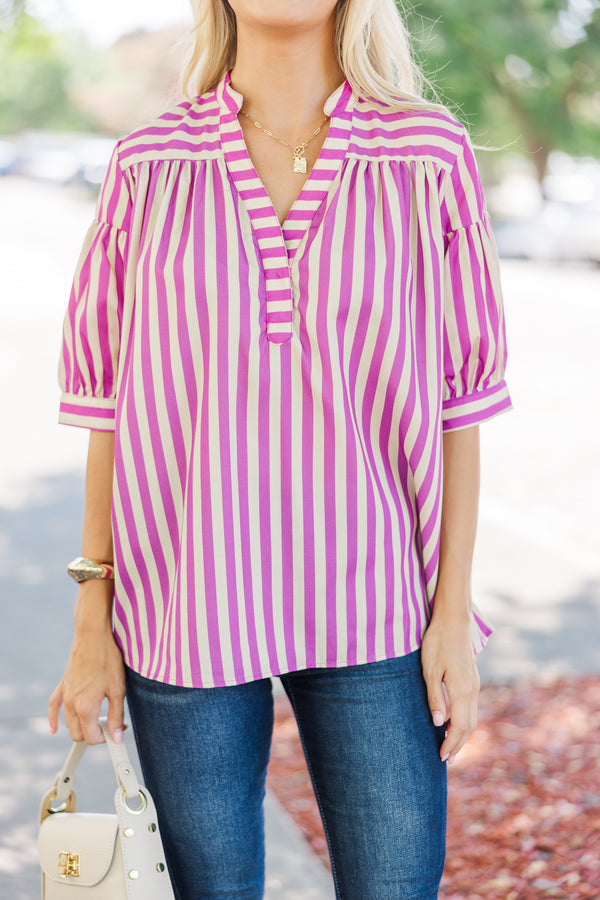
285	80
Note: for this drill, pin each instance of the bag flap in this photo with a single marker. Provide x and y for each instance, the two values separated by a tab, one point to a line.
77	847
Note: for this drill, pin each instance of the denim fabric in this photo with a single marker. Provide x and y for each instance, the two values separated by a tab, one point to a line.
373	756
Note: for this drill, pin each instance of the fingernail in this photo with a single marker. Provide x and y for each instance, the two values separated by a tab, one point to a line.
118	736
444	758
438	718
451	759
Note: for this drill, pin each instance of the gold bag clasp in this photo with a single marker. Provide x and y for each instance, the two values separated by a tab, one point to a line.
68	865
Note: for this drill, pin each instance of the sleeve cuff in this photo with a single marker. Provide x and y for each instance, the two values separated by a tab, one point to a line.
463	412
96	413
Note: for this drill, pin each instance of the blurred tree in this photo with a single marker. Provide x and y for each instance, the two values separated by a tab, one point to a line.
518	70
132	81
58	81
34	75
10	10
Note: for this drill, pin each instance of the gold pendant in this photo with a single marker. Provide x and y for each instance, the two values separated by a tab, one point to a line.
300	164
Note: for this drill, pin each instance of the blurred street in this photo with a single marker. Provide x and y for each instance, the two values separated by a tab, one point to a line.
537	569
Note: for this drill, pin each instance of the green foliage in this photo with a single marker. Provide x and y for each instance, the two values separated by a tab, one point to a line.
34	77
517	70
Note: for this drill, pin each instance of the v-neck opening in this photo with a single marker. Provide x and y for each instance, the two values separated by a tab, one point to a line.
329	160
310	181
279	243
306	185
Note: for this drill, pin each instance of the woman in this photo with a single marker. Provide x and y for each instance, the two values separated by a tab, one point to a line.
285	327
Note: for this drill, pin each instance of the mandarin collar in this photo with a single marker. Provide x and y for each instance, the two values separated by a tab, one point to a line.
339	101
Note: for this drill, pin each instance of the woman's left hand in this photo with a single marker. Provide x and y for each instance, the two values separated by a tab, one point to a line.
451	677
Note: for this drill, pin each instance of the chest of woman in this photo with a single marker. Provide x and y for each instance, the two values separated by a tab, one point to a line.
274	166
366	261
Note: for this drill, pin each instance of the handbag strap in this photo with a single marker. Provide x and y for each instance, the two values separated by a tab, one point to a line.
124	771
144	864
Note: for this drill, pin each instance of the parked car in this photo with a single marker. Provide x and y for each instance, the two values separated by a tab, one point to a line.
63	158
558	231
8	157
559	220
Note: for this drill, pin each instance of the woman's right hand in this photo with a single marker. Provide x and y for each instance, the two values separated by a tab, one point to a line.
95	670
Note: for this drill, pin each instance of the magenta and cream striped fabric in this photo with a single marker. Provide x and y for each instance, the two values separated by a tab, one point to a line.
279	393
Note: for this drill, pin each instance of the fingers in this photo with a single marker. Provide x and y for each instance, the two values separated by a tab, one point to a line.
452	682
114	718
95	672
54	705
83	714
82	721
88	714
463	715
440	711
453	700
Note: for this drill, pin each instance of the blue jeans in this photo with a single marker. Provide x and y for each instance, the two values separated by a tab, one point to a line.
373	757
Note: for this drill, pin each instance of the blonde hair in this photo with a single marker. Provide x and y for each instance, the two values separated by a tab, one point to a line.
372	45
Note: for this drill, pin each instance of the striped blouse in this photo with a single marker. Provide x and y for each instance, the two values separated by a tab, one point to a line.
279	393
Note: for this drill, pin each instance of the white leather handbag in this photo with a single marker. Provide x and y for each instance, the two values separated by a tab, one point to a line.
99	856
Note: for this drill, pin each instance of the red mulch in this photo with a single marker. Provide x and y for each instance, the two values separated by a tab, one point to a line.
524	794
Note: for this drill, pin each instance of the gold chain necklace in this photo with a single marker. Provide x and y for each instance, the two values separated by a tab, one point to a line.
298	150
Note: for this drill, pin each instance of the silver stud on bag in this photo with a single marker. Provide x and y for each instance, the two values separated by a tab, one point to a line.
152	826
133	874
160	867
128	832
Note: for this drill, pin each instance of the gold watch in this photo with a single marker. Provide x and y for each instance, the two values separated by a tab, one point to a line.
83	569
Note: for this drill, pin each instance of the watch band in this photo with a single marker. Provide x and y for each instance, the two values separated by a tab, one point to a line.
84	569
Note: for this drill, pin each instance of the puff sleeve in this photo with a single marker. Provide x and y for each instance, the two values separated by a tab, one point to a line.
474	340
88	364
